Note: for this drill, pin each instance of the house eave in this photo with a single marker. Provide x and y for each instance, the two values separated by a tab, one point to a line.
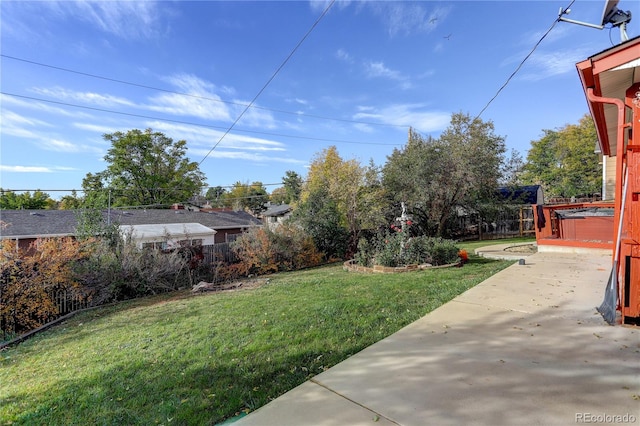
607	75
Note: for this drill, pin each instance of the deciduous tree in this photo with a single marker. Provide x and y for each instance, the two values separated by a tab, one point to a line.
563	161
145	168
252	197
342	182
436	177
9	200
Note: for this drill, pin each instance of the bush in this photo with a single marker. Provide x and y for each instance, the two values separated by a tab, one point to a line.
125	271
30	279
262	251
386	250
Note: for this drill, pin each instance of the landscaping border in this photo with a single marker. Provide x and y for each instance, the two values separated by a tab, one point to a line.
350	265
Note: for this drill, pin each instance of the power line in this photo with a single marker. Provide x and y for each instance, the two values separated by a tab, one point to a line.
189	123
273	76
521	64
117	189
144	86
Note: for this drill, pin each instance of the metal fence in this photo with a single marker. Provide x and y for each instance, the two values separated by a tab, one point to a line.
72	300
510	221
66	301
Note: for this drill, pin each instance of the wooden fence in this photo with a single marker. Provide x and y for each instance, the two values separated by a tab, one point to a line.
216	253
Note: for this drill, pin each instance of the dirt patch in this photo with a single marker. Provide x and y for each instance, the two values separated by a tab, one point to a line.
524	248
204	287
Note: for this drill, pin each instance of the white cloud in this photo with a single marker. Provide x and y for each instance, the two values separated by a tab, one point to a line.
406	115
25	169
204	137
542	65
11	119
96	128
200	100
409	17
251	156
40	106
35	169
102	100
379	70
125	19
343	55
36	130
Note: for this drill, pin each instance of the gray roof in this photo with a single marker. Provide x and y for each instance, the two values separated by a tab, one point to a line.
40	223
278	210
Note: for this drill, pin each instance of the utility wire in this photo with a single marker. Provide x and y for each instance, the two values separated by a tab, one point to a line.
197	96
273	76
521	64
189	123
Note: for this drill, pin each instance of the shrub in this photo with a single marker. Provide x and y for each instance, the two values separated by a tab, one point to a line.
125	271
262	251
387	250
444	252
29	282
365	253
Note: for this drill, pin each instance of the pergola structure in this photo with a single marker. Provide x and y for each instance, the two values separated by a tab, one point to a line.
611	83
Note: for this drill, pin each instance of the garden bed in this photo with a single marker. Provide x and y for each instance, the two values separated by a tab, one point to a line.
351	266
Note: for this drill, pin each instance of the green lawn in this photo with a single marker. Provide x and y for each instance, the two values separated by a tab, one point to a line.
181	359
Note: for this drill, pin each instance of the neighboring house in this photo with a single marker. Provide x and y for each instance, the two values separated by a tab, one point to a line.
227	224
276	215
169	236
25	226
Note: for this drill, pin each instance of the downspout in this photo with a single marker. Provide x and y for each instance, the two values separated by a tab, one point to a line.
620	134
619	202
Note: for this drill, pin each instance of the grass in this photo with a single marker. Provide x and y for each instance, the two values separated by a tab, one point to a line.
181	359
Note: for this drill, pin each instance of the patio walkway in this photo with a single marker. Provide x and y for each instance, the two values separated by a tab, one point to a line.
525	347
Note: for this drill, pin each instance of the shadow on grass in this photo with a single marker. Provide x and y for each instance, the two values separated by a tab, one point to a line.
145	392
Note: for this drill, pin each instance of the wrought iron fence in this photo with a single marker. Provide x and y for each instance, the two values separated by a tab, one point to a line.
72	300
65	301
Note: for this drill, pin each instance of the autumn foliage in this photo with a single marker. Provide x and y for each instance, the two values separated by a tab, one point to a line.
262	251
29	283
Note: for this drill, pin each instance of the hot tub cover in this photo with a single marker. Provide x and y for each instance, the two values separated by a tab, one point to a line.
584	212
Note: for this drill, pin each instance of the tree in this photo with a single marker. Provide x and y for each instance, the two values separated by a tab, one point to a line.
292	186
252	197
70	202
341	181
145	168
563	161
318	215
512	170
215	196
9	200
278	196
436	177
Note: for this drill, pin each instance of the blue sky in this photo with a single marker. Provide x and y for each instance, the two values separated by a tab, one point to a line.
366	72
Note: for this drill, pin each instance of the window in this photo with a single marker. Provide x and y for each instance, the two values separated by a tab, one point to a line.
190	243
162	245
231	237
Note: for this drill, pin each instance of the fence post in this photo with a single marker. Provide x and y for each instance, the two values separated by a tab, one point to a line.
521	222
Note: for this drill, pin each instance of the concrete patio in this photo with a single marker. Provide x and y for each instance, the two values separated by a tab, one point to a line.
524	347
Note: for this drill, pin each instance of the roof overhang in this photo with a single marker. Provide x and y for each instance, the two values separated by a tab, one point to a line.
159	231
609	74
